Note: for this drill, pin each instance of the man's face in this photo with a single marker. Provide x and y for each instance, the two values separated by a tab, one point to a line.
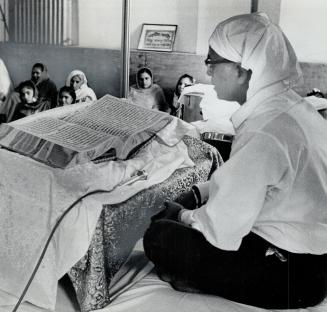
224	75
36	74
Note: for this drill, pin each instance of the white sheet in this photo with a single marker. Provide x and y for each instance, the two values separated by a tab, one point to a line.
145	292
34	195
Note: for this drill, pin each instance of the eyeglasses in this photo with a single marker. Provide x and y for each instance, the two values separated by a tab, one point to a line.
209	61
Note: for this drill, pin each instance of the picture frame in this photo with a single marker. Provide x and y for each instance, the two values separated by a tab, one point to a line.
157	37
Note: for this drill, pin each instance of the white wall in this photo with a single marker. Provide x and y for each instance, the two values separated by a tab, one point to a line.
271	7
304	23
100	23
177	12
211	12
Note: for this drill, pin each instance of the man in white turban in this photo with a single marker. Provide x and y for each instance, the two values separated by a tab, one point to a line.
256	232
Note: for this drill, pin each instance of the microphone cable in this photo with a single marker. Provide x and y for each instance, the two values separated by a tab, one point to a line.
48	242
138	175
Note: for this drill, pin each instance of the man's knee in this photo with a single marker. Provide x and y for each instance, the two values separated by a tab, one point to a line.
154	240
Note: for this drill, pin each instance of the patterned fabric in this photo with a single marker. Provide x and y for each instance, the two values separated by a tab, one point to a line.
120	226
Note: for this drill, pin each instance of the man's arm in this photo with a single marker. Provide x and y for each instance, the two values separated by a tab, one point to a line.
237	191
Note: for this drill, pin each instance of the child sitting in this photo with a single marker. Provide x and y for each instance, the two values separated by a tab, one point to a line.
29	103
66	96
183	81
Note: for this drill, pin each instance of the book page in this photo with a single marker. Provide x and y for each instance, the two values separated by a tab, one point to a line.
118	117
74	137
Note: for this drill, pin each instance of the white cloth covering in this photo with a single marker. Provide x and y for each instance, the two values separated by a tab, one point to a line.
34	195
318	103
216	112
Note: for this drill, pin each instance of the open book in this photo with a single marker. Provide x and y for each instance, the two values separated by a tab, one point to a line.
64	137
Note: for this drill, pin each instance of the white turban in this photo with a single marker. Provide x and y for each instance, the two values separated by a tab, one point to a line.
257	44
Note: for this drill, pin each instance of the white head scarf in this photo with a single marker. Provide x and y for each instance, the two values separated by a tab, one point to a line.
257	44
84	93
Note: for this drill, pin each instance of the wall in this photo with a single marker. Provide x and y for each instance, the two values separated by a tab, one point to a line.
304	23
100	23
102	66
271	8
211	13
301	20
182	13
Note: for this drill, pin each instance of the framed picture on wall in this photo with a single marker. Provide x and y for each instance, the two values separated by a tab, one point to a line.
157	37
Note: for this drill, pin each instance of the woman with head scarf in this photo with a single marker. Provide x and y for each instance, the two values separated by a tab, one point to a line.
29	103
256	233
77	80
146	93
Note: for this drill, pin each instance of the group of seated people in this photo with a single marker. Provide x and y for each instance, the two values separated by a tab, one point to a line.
147	93
40	93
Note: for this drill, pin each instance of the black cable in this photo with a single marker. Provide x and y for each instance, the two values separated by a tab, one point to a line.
48	242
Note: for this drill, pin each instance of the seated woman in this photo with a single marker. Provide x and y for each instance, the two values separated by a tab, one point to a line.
47	89
66	96
77	80
183	81
146	93
29	103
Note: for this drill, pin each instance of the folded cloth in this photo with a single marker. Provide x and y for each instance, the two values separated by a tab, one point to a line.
317	102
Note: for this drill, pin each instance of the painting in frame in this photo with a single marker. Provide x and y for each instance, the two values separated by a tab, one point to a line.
157	37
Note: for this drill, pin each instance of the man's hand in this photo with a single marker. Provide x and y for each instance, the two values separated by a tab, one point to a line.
187	200
170	212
